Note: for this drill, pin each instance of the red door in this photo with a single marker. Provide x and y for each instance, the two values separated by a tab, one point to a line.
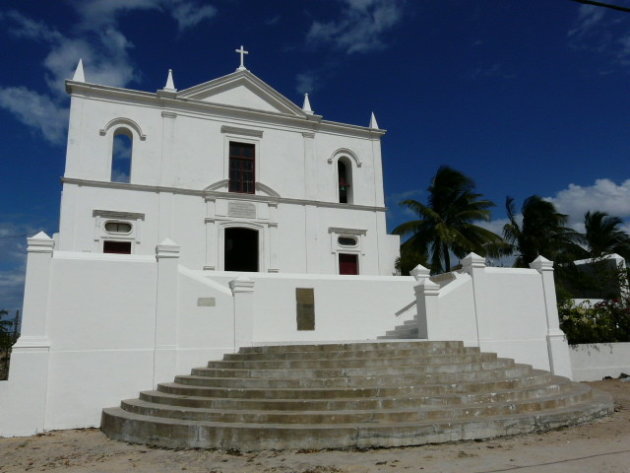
348	264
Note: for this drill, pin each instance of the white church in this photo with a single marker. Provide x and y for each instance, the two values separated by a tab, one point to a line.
234	172
194	222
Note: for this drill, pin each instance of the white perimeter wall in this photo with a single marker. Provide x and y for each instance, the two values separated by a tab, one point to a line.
509	311
593	361
95	328
346	307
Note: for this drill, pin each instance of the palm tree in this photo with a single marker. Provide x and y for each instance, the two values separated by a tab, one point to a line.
446	225
542	232
603	235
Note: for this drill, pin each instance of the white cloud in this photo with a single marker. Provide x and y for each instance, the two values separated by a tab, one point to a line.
306	82
98	40
596	31
574	201
28	28
360	27
36	111
496	226
188	14
13	263
604	195
589	17
11	289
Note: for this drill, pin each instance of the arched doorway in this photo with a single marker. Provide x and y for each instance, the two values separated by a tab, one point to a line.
241	249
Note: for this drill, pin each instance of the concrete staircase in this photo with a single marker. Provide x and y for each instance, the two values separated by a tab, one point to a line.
379	394
406	331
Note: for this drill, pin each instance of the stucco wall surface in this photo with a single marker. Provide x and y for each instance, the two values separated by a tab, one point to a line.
346	307
593	361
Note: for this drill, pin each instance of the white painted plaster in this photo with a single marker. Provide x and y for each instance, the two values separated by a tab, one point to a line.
592	362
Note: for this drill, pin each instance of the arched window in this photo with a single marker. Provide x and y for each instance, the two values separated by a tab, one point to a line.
344	177
121	155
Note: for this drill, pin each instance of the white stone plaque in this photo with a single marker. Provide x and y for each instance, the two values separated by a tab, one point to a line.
241	209
206	302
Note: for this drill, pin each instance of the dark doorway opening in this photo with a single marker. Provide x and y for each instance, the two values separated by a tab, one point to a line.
241	249
348	264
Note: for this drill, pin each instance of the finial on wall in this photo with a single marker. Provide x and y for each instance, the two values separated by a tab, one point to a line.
307	105
79	75
170	85
373	123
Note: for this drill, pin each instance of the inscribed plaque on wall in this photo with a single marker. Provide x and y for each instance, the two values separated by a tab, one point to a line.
305	298
241	209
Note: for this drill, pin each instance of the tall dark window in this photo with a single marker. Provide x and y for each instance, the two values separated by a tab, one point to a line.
121	155
344	177
242	167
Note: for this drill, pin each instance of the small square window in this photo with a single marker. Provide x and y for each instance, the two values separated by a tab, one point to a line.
117	247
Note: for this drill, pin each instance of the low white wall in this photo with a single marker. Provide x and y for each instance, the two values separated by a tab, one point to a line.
205	320
509	311
100	328
97	345
593	361
346	307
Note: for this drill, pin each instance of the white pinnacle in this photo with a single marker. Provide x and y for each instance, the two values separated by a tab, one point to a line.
373	123
170	85
307	105
79	75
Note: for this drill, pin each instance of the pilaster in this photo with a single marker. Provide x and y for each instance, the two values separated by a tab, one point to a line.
557	346
427	300
165	351
243	293
28	372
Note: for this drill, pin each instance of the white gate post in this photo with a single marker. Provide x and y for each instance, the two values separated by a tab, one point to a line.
557	346
427	302
243	293
28	371
165	349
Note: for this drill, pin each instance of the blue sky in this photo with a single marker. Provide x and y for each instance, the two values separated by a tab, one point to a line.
526	97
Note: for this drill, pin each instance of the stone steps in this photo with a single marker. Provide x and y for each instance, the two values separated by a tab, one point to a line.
331	414
459	382
369	363
336	353
351	395
413	366
194	389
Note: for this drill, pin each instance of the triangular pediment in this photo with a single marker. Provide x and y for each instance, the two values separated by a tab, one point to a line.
242	89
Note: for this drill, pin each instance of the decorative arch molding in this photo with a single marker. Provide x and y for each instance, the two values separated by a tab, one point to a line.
121	121
345	152
266	189
217	185
223	184
248	225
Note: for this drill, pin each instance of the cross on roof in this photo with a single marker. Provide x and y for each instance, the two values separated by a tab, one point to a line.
242	53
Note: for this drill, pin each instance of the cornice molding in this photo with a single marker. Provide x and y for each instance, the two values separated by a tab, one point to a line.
207	194
117	214
305	124
241	131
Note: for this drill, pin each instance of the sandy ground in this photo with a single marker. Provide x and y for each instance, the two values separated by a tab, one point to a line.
603	446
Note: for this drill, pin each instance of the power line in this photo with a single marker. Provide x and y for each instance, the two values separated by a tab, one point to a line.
605	5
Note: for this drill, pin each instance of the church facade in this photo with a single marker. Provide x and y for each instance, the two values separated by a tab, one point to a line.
234	172
197	222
